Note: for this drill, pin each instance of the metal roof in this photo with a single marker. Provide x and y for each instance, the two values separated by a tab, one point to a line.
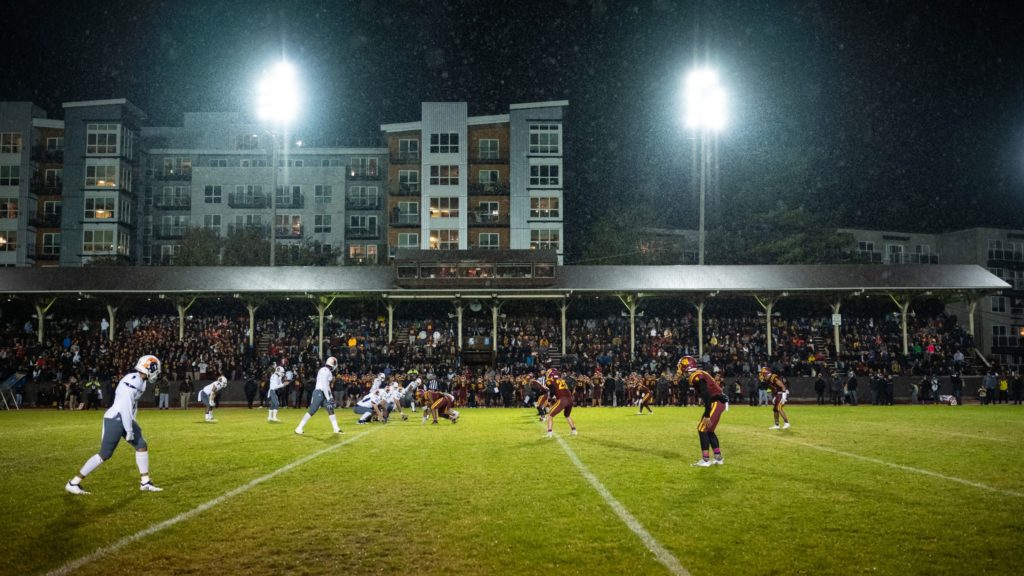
590	279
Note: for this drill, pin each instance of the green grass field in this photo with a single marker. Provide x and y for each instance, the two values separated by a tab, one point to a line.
866	490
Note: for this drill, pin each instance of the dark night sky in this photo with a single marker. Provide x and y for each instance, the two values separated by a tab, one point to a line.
888	115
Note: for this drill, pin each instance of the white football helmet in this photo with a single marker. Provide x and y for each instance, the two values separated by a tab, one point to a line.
148	365
223	381
332	363
279	370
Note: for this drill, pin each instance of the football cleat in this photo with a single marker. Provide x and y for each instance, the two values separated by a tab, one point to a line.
573	433
785	426
718	461
74	489
298	431
549	435
776	427
149	487
405	417
702	463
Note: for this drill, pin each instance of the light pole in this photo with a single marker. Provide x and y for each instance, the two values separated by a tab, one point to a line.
705	111
277	104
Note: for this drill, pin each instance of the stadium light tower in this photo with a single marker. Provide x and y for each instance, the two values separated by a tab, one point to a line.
705	111
277	105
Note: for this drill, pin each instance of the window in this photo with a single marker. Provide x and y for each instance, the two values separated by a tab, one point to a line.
51	208
447	143
322	224
10	142
999	304
168	252
407	213
488	149
55	143
53	177
408	240
322	193
545	175
444	207
101	208
253	163
177	167
444	239
98	241
408	150
212	195
489	177
488	240
218	162
101	176
363	197
8	240
212	221
444	175
487	213
291	163
544	239
363	254
366	167
334	162
894	254
545	139
544	207
51	244
10	175
408	180
362	225
101	139
289	196
8	207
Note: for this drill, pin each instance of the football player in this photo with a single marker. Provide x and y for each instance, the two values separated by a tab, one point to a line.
323	395
209	393
779	396
369	407
436	404
119	422
708	388
276	383
563	400
644	395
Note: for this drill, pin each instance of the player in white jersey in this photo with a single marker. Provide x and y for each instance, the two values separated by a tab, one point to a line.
393	401
323	395
369	406
209	394
276	383
119	422
410	392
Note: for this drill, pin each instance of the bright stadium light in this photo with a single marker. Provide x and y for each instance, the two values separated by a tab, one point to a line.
705	111
277	103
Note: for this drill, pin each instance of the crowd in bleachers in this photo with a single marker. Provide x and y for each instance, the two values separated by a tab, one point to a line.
77	351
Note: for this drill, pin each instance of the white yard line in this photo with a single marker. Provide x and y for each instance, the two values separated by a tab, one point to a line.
903	467
76	564
663	555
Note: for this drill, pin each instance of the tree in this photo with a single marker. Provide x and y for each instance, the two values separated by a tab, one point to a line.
307	253
199	247
246	246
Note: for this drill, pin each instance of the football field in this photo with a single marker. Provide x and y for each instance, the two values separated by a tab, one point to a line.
847	490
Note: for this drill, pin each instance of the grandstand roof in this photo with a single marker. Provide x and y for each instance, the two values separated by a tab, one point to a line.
372	280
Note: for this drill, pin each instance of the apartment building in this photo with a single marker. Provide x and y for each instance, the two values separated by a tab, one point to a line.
456	181
31	181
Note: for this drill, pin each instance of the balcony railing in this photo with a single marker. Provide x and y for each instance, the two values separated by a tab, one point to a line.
295	200
362	233
247	200
288	232
363	174
168	231
40	187
496	189
404	219
478	158
362	204
173	203
261	228
405	189
487	218
47	253
405	158
170	175
42	154
44	220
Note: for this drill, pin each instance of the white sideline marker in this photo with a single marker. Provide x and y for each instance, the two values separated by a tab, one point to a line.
663	555
76	564
901	467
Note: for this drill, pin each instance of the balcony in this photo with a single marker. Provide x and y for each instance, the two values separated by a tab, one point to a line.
924	258
173	203
47	253
44	220
169	231
404	219
405	189
288	232
405	158
42	154
294	200
488	158
487	218
362	204
40	187
362	233
493	189
248	200
371	175
260	228
173	175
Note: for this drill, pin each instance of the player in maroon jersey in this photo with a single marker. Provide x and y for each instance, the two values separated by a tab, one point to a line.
714	404
644	394
563	400
438	404
779	396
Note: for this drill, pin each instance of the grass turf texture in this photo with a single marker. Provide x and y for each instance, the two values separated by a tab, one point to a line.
491	495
